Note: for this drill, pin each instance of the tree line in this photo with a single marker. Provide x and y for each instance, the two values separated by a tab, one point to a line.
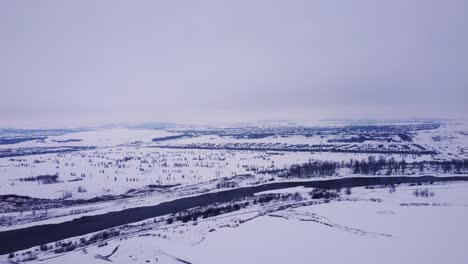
373	166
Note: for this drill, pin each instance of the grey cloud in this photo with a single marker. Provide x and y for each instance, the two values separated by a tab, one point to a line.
195	61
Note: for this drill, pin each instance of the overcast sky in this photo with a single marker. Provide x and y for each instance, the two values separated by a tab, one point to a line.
82	62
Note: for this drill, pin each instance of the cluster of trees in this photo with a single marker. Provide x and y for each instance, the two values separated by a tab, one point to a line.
410	149
43	179
169	138
65	247
423	193
326	194
67	194
215	210
103	235
358	139
373	166
391	166
81	189
62	247
194	214
226	184
313	169
314	194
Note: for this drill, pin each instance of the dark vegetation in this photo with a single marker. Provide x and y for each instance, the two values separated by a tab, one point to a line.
312	169
405	137
250	135
423	193
62	247
227	184
17	203
408	149
37	132
5	153
238	204
203	213
68	140
373	166
371	131
6	141
350	134
159	186
391	166
170	138
354	139
43	179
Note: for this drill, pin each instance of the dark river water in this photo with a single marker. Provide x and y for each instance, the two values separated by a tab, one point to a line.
24	238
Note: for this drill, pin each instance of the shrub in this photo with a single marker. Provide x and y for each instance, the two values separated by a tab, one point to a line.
43	247
82	189
67	194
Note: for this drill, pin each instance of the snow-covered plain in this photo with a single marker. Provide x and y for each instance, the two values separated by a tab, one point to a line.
126	168
125	159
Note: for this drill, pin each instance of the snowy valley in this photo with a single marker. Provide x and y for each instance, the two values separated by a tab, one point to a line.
271	193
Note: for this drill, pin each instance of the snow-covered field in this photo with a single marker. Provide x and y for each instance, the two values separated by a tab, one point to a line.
63	175
123	159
